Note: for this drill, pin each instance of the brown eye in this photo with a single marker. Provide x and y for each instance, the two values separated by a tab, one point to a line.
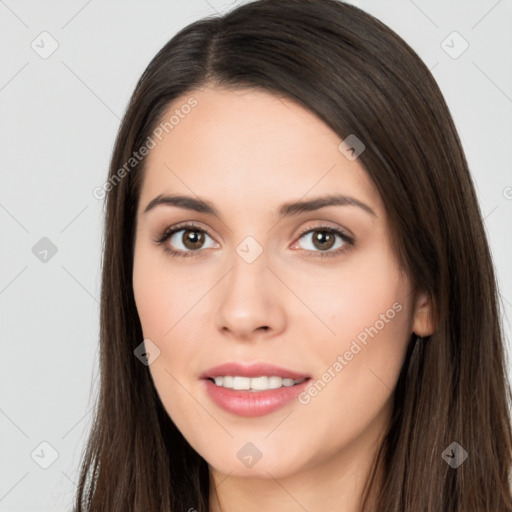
185	240
192	239
323	240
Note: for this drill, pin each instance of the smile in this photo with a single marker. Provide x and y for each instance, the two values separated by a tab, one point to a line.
250	402
262	383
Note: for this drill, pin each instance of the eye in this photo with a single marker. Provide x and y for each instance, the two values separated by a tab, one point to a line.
322	239
184	240
188	239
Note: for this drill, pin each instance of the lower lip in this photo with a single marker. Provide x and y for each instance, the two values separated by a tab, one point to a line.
253	403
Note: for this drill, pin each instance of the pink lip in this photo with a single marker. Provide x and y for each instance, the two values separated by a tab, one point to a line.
252	403
252	370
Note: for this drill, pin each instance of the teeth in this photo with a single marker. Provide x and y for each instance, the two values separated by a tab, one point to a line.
254	383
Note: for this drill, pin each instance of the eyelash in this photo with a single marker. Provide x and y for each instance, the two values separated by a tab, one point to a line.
167	234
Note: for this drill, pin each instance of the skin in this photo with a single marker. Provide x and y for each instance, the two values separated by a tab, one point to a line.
247	152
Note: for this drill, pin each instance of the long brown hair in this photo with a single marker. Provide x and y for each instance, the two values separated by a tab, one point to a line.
360	78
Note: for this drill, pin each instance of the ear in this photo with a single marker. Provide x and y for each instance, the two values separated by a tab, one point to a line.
423	322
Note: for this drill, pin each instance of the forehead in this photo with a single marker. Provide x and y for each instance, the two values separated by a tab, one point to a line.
245	145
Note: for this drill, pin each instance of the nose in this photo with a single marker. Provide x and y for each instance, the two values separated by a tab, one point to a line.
248	301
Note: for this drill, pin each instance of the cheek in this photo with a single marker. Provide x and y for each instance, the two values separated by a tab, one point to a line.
377	327
164	301
162	295
356	296
369	311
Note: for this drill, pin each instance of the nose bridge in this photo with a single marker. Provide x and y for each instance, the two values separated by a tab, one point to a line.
249	271
248	300
250	250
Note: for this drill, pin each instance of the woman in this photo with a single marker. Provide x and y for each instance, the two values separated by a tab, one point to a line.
299	309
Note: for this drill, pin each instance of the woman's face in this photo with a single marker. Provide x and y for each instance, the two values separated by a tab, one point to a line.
262	282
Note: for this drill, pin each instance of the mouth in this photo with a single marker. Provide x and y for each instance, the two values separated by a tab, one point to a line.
257	371
252	389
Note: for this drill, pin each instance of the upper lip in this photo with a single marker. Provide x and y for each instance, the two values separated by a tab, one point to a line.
251	370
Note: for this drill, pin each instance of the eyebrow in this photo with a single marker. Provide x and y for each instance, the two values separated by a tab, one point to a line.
286	210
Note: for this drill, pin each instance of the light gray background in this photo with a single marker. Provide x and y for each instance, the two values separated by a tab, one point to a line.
59	118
